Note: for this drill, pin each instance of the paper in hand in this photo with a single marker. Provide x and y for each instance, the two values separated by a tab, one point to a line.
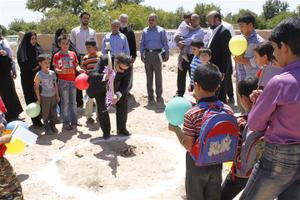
268	73
25	135
162	55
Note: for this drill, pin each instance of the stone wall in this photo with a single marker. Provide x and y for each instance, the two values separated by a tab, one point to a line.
45	40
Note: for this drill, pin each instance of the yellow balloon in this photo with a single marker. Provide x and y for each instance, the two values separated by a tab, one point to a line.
16	146
228	164
238	45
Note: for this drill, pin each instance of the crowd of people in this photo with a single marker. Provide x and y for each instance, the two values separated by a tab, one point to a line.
268	111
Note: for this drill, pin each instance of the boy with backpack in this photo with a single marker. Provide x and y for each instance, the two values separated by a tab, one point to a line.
250	146
210	136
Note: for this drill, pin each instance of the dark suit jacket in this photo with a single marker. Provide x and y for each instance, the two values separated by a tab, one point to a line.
128	32
221	55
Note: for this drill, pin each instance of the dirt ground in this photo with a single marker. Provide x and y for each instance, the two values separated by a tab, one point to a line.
78	164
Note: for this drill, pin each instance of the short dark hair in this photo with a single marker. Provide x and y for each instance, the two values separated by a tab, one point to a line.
91	42
288	31
208	77
247	85
187	15
43	57
206	51
197	43
62	37
265	48
247	18
84	13
123	58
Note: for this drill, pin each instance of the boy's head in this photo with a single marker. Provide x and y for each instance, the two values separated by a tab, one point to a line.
187	17
263	53
245	88
205	55
44	61
246	23
285	39
207	79
64	42
196	45
91	46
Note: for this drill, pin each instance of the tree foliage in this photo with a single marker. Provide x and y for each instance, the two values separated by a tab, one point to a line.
203	9
271	8
20	25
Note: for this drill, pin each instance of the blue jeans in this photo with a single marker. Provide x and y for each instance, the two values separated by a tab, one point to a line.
68	105
277	174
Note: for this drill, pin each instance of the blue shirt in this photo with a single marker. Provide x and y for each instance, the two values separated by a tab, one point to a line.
244	71
194	35
154	38
118	43
196	62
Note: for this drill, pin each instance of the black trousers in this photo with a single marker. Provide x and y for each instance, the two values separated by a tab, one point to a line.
229	85
181	75
27	79
222	91
231	188
103	115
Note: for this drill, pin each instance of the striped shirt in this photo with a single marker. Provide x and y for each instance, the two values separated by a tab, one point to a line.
193	118
196	62
89	62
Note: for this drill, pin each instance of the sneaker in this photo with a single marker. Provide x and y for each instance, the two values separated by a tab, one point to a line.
67	127
123	132
90	121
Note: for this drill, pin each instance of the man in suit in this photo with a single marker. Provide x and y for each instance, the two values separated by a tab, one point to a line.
218	44
128	32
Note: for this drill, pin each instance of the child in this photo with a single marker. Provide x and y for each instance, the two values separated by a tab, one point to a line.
248	152
10	187
47	94
181	33
88	64
265	59
201	182
196	46
276	112
205	55
66	64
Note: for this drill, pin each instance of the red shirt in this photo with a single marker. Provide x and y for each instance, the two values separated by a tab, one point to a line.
66	62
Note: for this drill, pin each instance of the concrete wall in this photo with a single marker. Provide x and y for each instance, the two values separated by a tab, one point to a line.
46	40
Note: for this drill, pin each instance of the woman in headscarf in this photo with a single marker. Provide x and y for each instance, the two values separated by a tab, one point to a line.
7	86
55	49
27	54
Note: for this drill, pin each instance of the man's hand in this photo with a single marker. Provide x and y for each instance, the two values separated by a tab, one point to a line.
57	98
180	45
115	99
3	53
80	70
254	95
166	58
14	73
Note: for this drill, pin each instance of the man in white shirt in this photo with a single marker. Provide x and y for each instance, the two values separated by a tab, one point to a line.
83	33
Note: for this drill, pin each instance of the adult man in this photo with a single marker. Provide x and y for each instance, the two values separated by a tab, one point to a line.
154	50
245	64
218	44
118	41
79	36
128	32
196	34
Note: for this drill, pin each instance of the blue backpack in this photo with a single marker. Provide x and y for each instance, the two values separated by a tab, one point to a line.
218	138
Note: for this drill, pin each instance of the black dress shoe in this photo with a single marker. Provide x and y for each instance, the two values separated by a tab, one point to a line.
123	132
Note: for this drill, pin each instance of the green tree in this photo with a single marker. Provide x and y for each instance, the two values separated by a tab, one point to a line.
3	30
73	6
271	8
20	25
203	9
278	18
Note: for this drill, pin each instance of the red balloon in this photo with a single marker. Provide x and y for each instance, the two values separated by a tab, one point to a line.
81	82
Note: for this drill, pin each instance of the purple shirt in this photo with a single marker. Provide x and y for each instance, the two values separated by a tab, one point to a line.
277	110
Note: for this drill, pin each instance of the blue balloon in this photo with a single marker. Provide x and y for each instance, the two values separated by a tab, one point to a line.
175	110
11	125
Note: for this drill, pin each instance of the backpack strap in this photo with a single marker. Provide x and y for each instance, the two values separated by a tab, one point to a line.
203	104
